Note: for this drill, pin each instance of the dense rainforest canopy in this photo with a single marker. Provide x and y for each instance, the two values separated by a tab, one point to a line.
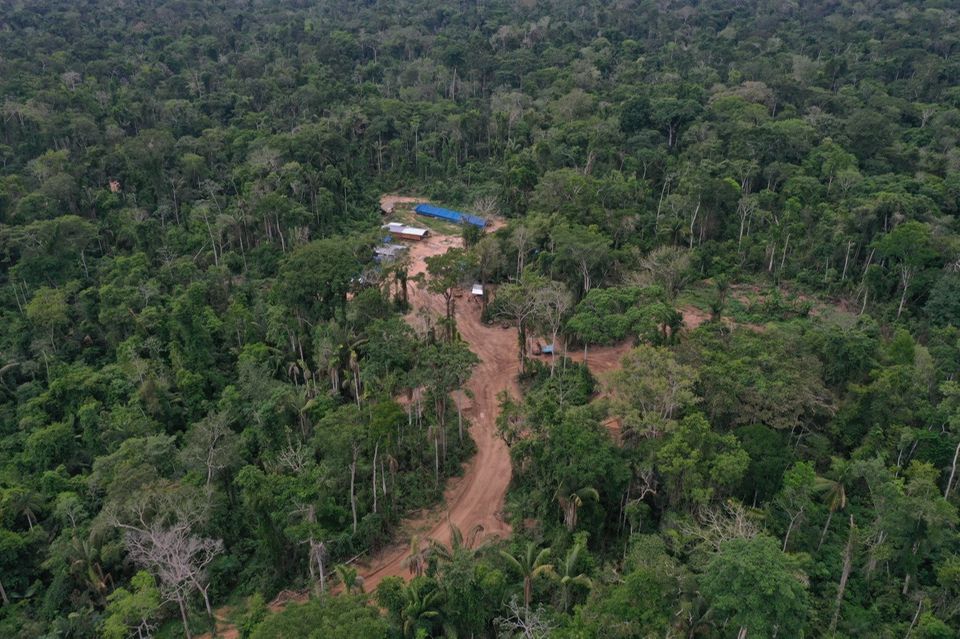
210	393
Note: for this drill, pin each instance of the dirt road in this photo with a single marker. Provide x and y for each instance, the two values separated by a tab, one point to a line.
478	496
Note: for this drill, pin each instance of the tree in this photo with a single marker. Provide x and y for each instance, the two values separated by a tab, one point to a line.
651	390
342	616
445	273
755	588
605	316
529	564
553	302
943	305
520	622
668	267
834	491
315	278
159	534
47	311
520	303
571	500
799	483
909	245
211	447
351	580
580	253
416	561
422	613
460	545
570	576
133	612
699	464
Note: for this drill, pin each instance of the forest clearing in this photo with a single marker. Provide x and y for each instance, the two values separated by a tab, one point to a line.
691	367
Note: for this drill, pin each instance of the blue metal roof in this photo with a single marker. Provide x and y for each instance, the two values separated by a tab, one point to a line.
446	214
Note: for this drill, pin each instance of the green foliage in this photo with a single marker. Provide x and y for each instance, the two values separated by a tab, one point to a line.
753	586
327	617
191	309
698	464
132	612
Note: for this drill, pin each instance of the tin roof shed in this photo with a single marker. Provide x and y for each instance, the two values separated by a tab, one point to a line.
456	217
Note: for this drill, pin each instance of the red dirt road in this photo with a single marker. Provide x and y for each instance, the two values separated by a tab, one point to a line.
478	496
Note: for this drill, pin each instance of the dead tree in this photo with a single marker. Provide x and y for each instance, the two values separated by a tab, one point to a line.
163	542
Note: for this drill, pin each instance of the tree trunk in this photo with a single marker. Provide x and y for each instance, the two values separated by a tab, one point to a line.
183	617
522	337
206	603
913	623
793	521
353	494
693	221
783	258
823	533
903	296
953	471
3	594
376	448
846	261
844	575
459	420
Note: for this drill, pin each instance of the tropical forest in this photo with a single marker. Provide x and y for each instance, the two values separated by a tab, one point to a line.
479	319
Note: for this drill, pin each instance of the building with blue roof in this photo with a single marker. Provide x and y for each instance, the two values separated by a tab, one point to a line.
429	210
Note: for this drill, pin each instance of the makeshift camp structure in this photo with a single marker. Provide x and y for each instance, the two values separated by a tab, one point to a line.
477	290
456	217
388	252
405	232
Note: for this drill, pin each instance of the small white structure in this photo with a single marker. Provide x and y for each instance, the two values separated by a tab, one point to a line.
405	232
477	290
389	252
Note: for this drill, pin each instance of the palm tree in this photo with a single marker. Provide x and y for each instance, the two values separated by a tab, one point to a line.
459	545
569	577
571	500
24	502
423	611
352	582
529	565
835	492
416	561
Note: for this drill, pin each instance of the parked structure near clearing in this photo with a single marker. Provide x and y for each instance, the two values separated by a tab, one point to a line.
386	252
429	210
405	232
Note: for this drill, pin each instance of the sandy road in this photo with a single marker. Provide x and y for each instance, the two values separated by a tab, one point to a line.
478	496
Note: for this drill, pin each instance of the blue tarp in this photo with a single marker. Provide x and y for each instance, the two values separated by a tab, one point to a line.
446	214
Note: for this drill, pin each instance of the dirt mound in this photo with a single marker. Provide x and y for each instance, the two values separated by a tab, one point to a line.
389	201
